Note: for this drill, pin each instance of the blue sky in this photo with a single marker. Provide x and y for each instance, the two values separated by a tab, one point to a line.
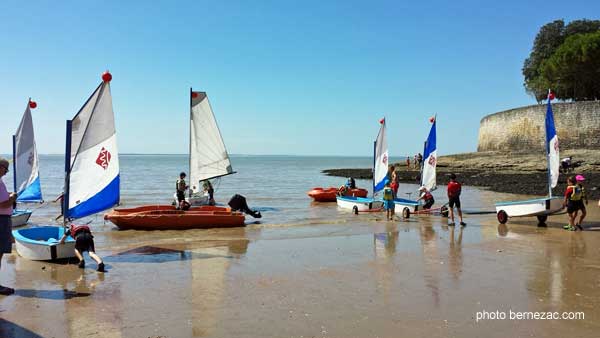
283	77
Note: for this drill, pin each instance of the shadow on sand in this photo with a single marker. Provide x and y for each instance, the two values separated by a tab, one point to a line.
12	330
152	254
49	294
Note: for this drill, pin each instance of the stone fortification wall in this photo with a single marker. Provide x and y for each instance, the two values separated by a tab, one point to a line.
522	129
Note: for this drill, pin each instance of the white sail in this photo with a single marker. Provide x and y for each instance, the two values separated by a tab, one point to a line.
552	148
430	160
380	169
208	156
93	175
26	171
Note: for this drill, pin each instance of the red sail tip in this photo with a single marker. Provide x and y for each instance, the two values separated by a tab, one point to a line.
194	95
551	96
106	76
432	119
32	104
382	121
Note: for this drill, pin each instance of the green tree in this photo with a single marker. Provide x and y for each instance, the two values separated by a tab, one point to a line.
540	74
574	68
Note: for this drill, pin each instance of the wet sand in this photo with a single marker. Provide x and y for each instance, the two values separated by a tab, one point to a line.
351	276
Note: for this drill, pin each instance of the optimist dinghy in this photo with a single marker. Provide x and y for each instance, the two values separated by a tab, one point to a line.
539	207
91	175
380	168
26	178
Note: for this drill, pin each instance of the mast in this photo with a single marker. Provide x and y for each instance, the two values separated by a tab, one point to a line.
190	145
374	159
65	200
14	146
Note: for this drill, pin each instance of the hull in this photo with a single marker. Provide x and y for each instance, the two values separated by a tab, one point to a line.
329	194
534	207
166	217
400	204
360	203
20	217
40	243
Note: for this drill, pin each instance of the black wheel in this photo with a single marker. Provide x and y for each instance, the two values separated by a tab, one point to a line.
406	212
502	217
542	220
444	211
355	210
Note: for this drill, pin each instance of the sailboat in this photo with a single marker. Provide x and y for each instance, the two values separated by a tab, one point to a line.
208	160
208	156
428	174
91	175
539	207
380	169
26	177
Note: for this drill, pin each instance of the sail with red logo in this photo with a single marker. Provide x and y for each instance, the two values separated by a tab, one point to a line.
428	178
92	161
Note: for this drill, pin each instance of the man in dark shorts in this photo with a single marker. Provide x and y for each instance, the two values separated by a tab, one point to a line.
84	241
6	208
454	190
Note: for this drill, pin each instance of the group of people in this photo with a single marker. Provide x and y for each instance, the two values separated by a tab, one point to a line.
417	161
390	193
575	195
181	186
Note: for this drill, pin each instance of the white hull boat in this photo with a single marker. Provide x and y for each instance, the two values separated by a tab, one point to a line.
20	217
41	243
540	207
359	204
405	207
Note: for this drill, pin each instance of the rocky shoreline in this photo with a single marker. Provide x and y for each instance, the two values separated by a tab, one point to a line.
501	172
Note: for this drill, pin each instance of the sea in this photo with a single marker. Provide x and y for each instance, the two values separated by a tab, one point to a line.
276	185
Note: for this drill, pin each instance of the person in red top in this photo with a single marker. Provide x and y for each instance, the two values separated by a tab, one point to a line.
84	241
454	190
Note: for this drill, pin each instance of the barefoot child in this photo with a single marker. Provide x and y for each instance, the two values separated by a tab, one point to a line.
388	201
84	241
454	190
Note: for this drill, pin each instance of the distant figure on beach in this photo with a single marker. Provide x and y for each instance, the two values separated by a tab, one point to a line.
6	209
427	198
238	203
180	187
208	188
574	197
60	198
567	164
84	241
388	202
407	163
454	190
420	159
415	161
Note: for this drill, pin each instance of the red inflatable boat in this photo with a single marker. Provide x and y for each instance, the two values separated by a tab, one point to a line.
328	194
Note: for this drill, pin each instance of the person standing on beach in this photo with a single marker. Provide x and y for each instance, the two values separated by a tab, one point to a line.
574	196
6	208
180	187
395	183
454	190
388	202
407	163
208	188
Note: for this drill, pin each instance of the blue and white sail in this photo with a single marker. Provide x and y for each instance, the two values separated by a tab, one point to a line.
380	167
26	161
428	178
92	160
551	147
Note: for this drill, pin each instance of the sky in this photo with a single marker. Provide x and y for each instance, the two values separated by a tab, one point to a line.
283	77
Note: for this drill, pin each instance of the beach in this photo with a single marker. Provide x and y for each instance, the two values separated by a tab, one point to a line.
306	269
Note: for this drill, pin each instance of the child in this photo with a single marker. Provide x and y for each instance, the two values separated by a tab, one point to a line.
427	198
388	201
180	188
574	196
454	190
84	241
395	183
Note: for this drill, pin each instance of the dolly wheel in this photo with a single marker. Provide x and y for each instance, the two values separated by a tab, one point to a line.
502	217
355	210
444	211
542	220
406	212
